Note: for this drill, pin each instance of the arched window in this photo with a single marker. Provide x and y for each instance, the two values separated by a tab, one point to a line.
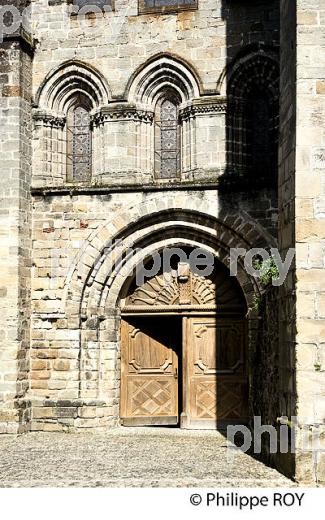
252	120
79	141
167	137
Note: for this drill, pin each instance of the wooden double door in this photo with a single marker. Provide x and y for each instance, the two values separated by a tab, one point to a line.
184	370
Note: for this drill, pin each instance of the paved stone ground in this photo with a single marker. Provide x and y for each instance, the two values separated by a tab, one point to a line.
129	457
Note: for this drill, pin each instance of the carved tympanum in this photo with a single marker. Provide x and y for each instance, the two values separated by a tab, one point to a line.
168	289
180	288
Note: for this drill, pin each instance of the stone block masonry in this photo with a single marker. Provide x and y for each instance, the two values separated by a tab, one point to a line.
60	291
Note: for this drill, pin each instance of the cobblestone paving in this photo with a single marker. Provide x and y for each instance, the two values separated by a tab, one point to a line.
129	457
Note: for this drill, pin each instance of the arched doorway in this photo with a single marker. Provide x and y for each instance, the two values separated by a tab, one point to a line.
184	350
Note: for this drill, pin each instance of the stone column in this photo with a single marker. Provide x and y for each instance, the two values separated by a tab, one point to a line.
126	144
204	121
49	149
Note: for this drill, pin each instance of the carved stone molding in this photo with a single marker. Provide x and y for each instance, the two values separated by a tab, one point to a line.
121	113
48	119
214	105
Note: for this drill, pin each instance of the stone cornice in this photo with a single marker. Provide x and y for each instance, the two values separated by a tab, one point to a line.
121	112
226	182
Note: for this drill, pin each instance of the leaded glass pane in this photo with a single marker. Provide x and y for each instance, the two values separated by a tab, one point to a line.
260	142
97	3
166	5
167	140
79	144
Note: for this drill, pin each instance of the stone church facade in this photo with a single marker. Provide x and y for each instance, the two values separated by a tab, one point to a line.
146	126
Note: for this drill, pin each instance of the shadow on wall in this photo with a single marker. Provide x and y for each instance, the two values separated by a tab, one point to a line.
252	86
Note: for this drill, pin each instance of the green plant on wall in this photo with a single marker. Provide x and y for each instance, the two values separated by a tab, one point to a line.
256	303
268	271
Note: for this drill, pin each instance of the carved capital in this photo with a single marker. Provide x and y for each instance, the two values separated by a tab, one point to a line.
44	118
202	106
121	112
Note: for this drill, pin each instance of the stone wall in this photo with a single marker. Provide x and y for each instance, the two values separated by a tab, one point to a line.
15	128
206	38
195	51
68	232
301	225
73	382
265	366
310	234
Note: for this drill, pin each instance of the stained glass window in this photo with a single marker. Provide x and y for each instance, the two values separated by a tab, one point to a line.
98	3
151	6
167	139
79	144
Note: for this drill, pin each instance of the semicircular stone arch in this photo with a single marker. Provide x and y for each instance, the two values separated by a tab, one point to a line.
105	294
94	286
101	311
131	227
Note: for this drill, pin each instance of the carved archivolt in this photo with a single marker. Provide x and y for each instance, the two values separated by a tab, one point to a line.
163	72
72	78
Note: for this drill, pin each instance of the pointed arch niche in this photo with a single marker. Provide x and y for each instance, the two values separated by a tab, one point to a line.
252	119
66	143
170	146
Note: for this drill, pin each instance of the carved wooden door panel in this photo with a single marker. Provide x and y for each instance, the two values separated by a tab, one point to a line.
215	373
149	374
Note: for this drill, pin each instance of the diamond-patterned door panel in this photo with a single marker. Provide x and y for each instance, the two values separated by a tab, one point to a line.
205	399
152	397
216	372
149	372
219	399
